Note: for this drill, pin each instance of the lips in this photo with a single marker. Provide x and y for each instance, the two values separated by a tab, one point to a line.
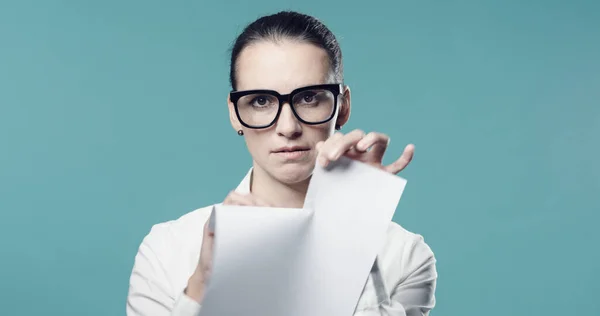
292	154
291	149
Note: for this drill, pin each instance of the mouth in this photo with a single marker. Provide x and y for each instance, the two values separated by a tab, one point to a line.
294	152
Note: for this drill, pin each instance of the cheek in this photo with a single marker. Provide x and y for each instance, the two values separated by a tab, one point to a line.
320	133
256	141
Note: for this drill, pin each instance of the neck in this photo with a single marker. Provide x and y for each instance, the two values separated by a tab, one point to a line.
277	193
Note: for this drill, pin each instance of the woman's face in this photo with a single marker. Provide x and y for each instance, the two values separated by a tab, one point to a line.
286	150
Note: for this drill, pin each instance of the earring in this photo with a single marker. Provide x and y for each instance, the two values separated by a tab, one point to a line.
337	127
240	132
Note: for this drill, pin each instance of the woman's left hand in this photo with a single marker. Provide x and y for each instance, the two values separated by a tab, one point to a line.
368	148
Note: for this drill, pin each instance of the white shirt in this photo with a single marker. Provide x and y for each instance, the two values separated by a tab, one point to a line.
401	283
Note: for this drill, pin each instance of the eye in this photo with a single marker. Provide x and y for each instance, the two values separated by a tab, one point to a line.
308	97
260	101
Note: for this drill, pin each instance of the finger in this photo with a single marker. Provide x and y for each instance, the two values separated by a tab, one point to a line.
353	153
403	161
319	145
258	201
207	230
234	198
208	234
376	142
335	149
322	147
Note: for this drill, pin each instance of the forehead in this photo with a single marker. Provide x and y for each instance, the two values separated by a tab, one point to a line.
281	66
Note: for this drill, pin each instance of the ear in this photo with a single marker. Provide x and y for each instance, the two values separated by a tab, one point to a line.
235	123
344	111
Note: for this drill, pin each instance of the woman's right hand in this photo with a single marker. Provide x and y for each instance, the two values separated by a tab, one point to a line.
197	282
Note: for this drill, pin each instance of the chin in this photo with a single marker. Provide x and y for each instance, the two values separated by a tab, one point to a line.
293	173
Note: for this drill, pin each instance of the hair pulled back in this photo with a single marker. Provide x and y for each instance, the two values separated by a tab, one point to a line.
288	25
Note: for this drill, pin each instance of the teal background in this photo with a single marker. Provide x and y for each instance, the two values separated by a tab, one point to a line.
113	118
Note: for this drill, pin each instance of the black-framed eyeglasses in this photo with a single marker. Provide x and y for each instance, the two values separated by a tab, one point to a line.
315	104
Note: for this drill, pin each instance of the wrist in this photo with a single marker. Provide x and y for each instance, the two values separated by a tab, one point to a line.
195	288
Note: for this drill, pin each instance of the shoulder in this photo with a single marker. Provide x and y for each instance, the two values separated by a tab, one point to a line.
183	231
405	253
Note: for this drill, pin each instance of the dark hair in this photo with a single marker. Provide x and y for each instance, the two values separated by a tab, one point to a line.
288	25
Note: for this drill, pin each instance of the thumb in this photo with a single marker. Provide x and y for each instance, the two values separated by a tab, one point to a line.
208	231
319	145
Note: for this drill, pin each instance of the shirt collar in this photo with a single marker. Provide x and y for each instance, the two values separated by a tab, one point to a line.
244	186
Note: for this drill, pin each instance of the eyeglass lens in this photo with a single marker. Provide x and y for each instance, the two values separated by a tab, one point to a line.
312	106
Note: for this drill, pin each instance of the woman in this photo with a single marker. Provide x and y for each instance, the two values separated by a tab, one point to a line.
289	125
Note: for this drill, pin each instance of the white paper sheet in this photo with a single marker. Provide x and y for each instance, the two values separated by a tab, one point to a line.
299	262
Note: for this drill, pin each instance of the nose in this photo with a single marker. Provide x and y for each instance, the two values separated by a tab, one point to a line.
287	125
